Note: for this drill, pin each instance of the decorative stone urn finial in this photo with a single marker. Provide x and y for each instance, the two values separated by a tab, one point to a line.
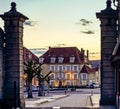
108	4
13	6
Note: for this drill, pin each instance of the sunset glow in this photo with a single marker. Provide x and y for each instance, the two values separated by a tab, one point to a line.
57	23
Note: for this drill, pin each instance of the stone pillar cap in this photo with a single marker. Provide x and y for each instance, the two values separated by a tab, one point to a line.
13	12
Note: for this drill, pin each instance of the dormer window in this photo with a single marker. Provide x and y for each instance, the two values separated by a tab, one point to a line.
86	59
52	59
60	59
41	60
72	59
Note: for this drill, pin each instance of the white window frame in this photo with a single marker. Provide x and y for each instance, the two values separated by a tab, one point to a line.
72	59
72	83
84	74
60	69
68	83
68	67
52	83
60	78
73	68
52	69
52	76
52	60
76	76
86	59
41	60
67	76
60	59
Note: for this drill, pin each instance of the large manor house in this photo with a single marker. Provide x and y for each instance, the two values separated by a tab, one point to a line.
70	67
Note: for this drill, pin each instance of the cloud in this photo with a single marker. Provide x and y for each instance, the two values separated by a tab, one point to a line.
93	53
88	32
84	22
30	23
59	45
38	51
85	25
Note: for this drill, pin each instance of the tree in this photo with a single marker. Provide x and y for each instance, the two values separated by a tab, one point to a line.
48	82
41	78
30	72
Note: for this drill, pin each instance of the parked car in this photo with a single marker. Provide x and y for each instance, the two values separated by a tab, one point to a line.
93	85
96	85
34	88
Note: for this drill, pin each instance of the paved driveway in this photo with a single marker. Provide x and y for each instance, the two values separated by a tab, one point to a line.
76	99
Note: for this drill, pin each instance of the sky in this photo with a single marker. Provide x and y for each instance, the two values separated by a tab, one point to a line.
58	23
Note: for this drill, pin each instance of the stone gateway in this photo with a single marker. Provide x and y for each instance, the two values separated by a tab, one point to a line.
12	72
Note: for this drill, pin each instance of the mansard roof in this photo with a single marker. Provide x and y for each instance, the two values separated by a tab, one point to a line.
87	69
66	53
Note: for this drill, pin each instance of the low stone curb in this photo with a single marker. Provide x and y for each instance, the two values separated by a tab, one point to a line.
95	100
63	108
45	100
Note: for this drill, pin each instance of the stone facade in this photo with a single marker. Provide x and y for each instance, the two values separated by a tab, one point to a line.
1	61
108	18
66	64
13	79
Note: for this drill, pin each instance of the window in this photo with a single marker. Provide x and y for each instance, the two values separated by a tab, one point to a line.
30	55
67	76
75	67
41	60
67	67
75	76
86	59
68	83
84	76
60	75
52	68
60	59
72	59
52	76
52	83
72	83
60	68
52	59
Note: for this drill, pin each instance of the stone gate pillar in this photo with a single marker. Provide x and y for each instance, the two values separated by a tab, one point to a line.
108	18
1	62
13	81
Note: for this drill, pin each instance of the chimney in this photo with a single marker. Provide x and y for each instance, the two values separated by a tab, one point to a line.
83	54
49	47
82	51
87	54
